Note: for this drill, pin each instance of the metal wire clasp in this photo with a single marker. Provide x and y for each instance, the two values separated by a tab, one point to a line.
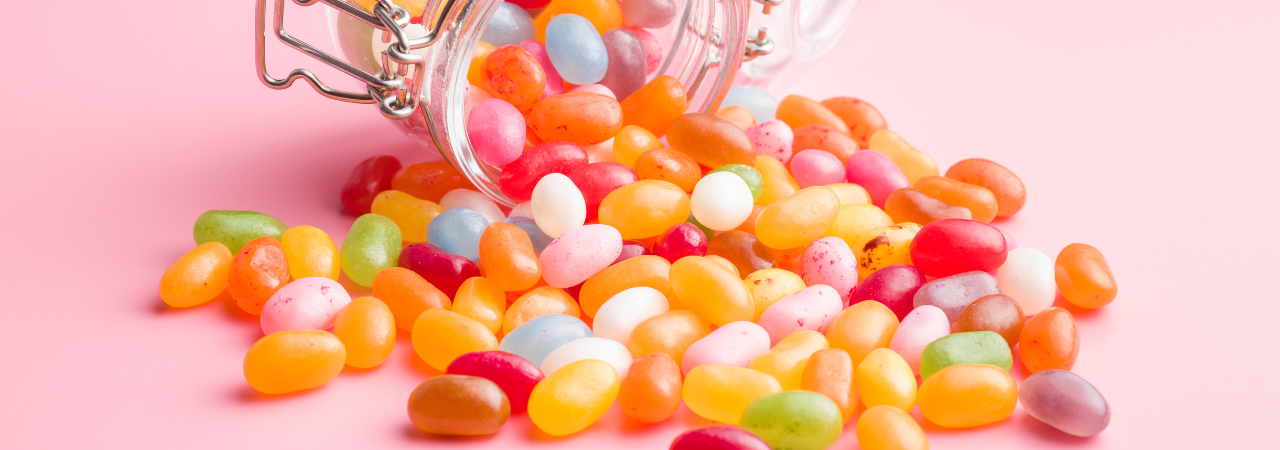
760	44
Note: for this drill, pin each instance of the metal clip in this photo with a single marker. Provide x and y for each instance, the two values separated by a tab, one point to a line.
759	45
769	4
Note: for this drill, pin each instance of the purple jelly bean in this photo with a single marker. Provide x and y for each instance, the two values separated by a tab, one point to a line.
894	286
496	130
1065	401
816	168
952	294
877	173
626	62
648	13
719	437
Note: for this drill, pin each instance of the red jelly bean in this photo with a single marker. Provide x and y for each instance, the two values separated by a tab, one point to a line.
367	179
948	247
519	177
894	286
719	437
444	271
516	376
631	249
597	180
683	239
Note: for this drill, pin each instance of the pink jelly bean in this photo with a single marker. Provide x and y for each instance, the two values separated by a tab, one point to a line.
520	177
734	344
310	303
816	168
596	180
474	95
812	308
877	174
719	437
774	138
472	200
496	130
893	286
524	209
1009	243
555	84
515	375
924	325
443	270
681	240
579	253
652	49
631	249
830	261
595	89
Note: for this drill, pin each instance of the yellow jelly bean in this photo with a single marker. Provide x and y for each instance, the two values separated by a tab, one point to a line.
915	164
310	252
645	208
198	276
797	220
855	219
776	181
711	291
884	246
541	300
479	298
862	328
439	336
631	142
367	330
767	286
849	193
475	72
968	395
830	373
411	214
887	428
884	378
787	360
721	393
573	397
724	262
646	270
671	332
290	361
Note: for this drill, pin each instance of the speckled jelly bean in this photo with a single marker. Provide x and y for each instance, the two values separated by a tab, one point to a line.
235	228
408	212
954	293
798	420
366	180
443	270
968	395
709	290
915	164
310	252
917	330
681	240
305	304
974	347
721	393
812	308
597	348
827	139
507	257
580	117
979	200
574	397
512	75
1050	340
509	25
539	301
1065	401
894	286
910	205
798	111
773	138
797	219
877	174
1027	275
884	378
952	246
576	49
776	182
758	100
719	437
710	140
496	131
656	105
645	208
597	180
816	168
722	201
619	316
863	119
787	359
998	313
767	286
1084	277
480	299
734	344
829	261
519	178
884	246
459	405
291	361
887	428
516	376
536	338
830	373
626	62
197	277
650	392
671	333
457	231
430	181
473	200
1010	193
439	336
647	270
537	238
862	328
407	294
367	330
579	253
742	249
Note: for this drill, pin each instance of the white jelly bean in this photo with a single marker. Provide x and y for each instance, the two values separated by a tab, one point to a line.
310	303
606	350
620	315
721	201
558	205
579	253
922	325
1027	276
734	344
812	308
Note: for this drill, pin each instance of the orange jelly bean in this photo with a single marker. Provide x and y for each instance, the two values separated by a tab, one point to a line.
645	208
910	205
655	105
651	392
797	220
439	336
1050	340
979	200
480	298
368	331
1084	277
257	272
669	165
604	14
429	181
631	142
863	119
475	72
830	373
511	74
537	302
799	111
711	291
407	294
777	182
671	333
710	140
646	270
578	117
738	115
1010	193
291	361
750	225
862	328
507	257
825	138
741	249
197	277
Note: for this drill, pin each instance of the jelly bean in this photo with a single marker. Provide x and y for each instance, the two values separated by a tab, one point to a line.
974	347
756	99
722	201
538	302
626	60
496	131
407	294
578	117
738	115
1065	401
877	174
555	84
367	330
863	119
797	219
537	238
531	4
258	271
646	270
954	293
650	392
830	373
443	270
366	180
768	286
749	175
645	208
817	168
750	225
734	344
721	393
516	376
409	213
574	397
812	308
910	205
472	200
894	286
597	348
430	180
826	139
456	231
887	428
671	332
597	180
1008	240
579	253
787	359
998	313
829	261
481	299
235	228
508	25
1084	277
952	246
711	291
1050	340
968	395
776	182
604	15
799	420
852	220
742	249
773	138
309	252
291	361
1010	193
710	140
305	304
576	49
631	142
683	239
885	378
475	72
536	338
440	335
917	330
655	105
979	200
507	257
595	89
520	177
459	405
1027	275
914	164
474	95
719	437
372	244
649	13
788	259
799	111
512	75
198	276
862	328
669	165
619	316
884	246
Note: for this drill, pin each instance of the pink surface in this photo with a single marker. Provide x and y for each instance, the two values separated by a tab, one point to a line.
1146	129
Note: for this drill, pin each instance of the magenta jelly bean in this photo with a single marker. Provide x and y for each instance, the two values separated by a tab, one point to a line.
626	62
951	246
555	84
830	261
894	286
579	253
443	270
952	294
812	308
1065	401
652	49
513	374
631	249
595	89
496	130
366	181
719	437
772	138
681	240
596	180
816	168
311	303
520	176
877	174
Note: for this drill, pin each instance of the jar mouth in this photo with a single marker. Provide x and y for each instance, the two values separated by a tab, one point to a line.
816	26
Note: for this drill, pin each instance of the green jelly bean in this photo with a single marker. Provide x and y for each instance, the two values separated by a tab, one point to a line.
748	174
372	244
974	347
236	228
794	420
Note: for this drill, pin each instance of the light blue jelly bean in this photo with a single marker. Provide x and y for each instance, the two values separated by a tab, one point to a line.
540	239
458	231
576	49
509	25
759	101
535	339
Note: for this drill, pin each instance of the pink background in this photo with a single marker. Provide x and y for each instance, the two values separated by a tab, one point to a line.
1145	128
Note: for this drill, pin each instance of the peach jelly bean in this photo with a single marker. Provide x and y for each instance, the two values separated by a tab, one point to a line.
645	208
1010	193
951	246
910	205
884	378
367	330
574	397
734	344
825	138
877	174
772	138
1065	401
998	313
711	291
914	164
650	392
850	193
669	165
887	428
979	200
480	299
430	180
852	220
917	330
507	257
596	348
620	316
366	180
799	111
721	201
721	393
862	328
475	201
768	286
817	168
830	373
1084	277
291	361
512	75
496	131
813	308
1050	340
519	178
578	117
644	270
305	304
968	395
558	205
631	142
408	212
580	253
741	249
831	262
407	294
459	405
954	293
197	277
540	301
798	219
894	286
787	359
310	252
670	332
439	336
1027	276
885	246
863	119
710	140
776	182
258	271
516	376
655	105
738	115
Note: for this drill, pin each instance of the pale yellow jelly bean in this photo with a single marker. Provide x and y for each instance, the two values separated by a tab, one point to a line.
862	328
721	393
411	214
724	262
884	246
968	395
776	181
368	331
645	208
290	361
849	193
711	291
440	336
884	378
787	360
797	220
572	398
855	219
480	298
310	252
915	164
887	428
198	276
767	286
